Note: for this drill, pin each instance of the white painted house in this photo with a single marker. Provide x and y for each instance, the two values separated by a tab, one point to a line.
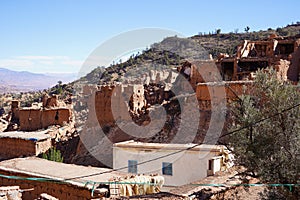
176	164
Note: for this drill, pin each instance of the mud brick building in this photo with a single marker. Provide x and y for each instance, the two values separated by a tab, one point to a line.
21	144
52	112
281	53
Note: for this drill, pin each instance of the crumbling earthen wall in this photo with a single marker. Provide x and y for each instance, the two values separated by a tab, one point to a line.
103	99
14	110
55	117
110	102
281	53
204	71
51	102
293	72
30	119
18	147
232	89
34	119
282	66
211	95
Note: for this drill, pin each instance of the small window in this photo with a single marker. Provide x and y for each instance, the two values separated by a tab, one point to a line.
132	166
167	168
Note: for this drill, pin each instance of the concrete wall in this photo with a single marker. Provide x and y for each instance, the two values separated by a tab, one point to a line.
187	167
17	147
58	190
34	119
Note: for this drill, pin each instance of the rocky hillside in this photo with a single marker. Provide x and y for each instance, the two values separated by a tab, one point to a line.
200	45
219	42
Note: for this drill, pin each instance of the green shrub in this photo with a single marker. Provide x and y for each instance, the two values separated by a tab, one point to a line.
53	154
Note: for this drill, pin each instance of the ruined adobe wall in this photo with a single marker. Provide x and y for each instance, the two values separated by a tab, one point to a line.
110	102
15	110
34	119
294	69
16	147
55	117
42	146
204	71
232	89
30	119
208	93
282	67
103	99
60	191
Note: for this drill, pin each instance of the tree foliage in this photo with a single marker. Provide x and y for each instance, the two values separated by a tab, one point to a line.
269	146
247	29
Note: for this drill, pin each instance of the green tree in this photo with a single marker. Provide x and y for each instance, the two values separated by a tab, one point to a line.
269	146
53	154
59	87
247	29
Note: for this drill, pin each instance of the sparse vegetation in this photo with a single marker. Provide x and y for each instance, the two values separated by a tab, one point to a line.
269	146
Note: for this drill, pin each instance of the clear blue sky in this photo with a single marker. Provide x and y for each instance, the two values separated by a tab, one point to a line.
58	35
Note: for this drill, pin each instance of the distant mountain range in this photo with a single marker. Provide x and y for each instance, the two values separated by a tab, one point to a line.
15	81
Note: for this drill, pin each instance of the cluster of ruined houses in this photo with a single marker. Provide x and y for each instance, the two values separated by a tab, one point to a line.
108	106
283	54
40	116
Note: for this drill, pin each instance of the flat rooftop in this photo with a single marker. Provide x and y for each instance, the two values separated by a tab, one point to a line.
224	83
43	109
38	167
168	146
35	136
